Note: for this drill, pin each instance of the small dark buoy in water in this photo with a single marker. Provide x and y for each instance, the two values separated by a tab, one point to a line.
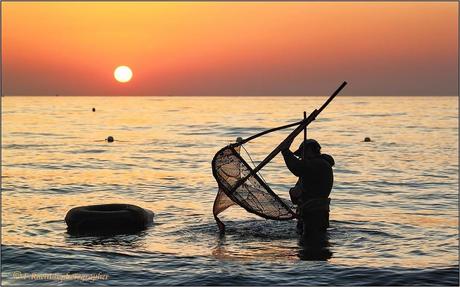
239	139
367	139
110	139
94	109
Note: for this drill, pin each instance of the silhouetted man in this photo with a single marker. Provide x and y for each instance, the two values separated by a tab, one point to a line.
311	193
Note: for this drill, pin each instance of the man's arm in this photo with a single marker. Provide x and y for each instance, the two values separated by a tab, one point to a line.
293	164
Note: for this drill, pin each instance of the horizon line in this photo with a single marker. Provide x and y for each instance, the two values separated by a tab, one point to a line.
223	96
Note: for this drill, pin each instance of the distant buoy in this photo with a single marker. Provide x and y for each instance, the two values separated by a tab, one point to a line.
239	139
94	109
367	139
110	139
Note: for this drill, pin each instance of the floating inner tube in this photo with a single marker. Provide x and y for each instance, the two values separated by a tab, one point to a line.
108	219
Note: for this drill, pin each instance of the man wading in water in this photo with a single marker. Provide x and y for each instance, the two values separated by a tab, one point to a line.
311	192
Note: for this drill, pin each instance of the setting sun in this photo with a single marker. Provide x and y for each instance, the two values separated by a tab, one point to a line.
123	74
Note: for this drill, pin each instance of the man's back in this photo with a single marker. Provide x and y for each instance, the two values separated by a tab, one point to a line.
315	172
317	178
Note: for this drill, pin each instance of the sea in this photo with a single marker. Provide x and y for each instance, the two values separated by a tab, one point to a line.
394	203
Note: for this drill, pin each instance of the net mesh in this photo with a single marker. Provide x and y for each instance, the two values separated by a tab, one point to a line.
253	194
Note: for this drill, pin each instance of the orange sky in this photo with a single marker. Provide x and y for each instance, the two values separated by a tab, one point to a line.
213	48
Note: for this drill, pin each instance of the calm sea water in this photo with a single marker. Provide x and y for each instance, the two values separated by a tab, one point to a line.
394	211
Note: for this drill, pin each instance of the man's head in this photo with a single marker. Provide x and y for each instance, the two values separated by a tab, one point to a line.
312	147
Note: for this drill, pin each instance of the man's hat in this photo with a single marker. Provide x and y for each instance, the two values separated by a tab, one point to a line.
307	143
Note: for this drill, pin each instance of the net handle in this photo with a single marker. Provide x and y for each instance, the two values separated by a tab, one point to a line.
293	124
290	137
266	132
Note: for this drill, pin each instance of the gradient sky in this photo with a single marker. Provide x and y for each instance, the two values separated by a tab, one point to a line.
230	49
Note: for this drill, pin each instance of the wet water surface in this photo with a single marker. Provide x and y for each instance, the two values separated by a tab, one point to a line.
394	214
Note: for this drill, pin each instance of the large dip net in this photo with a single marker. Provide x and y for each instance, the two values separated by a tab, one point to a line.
241	184
253	194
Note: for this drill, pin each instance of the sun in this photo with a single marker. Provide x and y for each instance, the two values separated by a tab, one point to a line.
123	74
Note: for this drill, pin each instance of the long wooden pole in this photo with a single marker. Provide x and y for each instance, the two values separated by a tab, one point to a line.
290	137
293	124
266	132
304	136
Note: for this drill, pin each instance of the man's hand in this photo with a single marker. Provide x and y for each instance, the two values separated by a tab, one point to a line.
286	144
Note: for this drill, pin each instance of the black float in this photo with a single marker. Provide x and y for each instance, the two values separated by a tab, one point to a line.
108	219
